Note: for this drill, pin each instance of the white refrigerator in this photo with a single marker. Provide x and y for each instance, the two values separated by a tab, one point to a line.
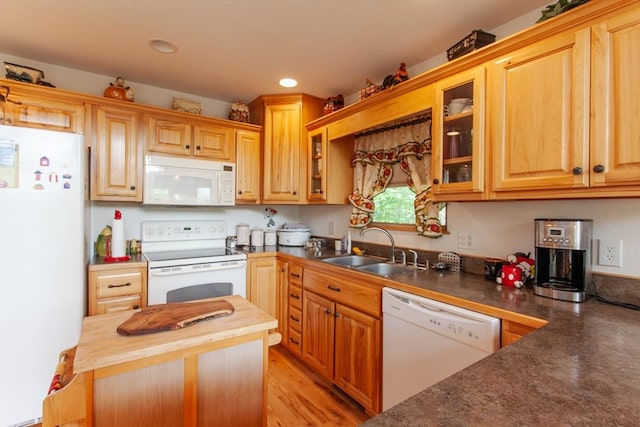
42	262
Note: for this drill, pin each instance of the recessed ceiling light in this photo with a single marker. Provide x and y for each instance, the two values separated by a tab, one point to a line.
288	82
162	46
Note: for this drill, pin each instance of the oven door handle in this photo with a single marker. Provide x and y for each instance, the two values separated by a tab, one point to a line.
159	271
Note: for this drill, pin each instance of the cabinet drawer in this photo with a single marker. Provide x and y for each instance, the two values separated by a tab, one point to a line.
295	297
295	274
295	342
123	282
295	319
366	298
115	305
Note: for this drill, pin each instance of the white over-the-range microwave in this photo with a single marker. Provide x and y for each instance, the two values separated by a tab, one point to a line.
181	181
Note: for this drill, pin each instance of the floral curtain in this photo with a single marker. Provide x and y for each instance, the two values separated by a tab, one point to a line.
376	151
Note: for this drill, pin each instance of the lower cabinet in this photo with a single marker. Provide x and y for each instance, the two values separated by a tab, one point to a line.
114	288
341	336
513	331
261	274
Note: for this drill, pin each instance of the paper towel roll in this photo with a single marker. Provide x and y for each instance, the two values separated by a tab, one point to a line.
118	243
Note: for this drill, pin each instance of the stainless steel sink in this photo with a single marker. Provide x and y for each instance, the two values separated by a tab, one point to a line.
351	260
385	269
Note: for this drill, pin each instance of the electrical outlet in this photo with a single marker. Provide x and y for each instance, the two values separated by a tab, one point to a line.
466	240
610	253
331	230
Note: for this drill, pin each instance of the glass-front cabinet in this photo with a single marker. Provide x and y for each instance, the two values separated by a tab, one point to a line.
317	160
458	136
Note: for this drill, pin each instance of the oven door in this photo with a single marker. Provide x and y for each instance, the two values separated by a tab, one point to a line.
196	281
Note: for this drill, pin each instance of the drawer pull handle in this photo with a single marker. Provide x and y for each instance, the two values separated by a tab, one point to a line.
334	288
294	296
295	319
293	340
297	276
119	286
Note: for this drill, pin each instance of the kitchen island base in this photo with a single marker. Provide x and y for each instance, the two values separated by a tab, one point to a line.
210	373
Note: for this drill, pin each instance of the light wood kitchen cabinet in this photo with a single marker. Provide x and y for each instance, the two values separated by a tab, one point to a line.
294	309
615	147
540	115
342	335
116	287
116	154
513	331
458	158
262	275
284	142
248	167
282	296
176	135
330	174
41	108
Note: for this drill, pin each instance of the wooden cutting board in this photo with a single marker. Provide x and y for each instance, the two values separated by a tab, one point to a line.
167	317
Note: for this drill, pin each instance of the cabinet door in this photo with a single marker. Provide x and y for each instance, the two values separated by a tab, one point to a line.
214	142
116	155
169	136
282	153
539	115
316	180
615	147
318	333
357	356
45	112
247	167
458	138
262	284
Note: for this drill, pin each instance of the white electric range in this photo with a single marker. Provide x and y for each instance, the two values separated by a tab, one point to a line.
188	260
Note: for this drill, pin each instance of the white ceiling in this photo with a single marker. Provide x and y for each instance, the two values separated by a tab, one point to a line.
234	50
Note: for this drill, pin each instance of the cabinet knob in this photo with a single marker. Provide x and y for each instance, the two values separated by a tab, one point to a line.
135	307
598	168
436	181
294	193
133	187
187	146
328	311
577	170
197	147
240	192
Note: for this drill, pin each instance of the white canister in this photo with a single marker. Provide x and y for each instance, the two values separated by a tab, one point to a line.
270	238
257	237
242	234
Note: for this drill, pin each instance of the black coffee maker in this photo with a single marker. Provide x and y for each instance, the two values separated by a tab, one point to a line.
563	258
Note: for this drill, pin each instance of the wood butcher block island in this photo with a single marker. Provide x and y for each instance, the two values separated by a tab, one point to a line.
212	372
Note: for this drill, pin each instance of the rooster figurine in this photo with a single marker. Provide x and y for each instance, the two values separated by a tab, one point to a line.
393	79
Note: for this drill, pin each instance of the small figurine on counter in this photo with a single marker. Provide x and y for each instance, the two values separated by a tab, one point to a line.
117	90
518	272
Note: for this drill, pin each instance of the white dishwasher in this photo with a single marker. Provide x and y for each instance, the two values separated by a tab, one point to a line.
426	341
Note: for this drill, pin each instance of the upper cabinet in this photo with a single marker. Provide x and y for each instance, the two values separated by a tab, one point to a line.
330	175
248	167
171	134
116	154
539	115
615	152
458	146
38	107
285	144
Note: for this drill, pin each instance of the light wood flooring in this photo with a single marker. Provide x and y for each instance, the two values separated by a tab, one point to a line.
297	397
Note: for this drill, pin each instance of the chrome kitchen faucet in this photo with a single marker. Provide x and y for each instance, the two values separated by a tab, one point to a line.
393	243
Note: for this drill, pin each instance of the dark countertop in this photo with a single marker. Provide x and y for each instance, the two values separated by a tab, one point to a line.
582	368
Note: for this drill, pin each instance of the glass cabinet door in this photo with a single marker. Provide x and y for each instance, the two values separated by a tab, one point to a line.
317	163
459	136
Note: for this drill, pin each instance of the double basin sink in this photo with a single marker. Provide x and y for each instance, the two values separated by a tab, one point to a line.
369	265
